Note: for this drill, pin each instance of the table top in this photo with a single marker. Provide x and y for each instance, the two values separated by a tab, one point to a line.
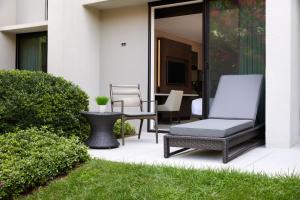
101	114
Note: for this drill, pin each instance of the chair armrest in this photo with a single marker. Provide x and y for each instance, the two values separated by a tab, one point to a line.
122	104
151	101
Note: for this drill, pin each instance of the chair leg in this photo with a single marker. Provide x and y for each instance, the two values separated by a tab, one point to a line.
140	130
122	131
171	117
156	130
178	117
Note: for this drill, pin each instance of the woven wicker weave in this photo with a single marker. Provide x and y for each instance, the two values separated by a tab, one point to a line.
231	146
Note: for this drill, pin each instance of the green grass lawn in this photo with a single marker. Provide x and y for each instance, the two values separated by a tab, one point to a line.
100	179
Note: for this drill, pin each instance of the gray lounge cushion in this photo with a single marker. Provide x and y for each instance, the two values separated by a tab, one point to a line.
211	128
237	97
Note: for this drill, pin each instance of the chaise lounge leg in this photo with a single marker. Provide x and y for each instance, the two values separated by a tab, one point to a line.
225	156
242	150
166	148
167	152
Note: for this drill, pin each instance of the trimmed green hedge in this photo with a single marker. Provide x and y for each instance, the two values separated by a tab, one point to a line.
32	157
36	99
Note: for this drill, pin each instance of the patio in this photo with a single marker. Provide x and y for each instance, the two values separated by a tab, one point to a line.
271	161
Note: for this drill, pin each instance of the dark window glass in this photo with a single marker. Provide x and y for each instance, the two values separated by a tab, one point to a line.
236	39
32	51
176	72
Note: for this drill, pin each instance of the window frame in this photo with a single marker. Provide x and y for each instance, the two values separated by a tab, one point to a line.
27	35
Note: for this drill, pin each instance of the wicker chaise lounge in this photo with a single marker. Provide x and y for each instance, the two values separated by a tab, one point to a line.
231	126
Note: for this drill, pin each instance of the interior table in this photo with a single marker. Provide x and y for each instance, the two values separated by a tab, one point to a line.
102	136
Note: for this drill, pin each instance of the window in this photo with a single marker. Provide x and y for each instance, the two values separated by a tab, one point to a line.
32	51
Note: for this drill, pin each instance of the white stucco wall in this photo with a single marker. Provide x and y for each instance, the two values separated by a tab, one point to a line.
7	41
282	73
129	64
30	11
73	45
295	79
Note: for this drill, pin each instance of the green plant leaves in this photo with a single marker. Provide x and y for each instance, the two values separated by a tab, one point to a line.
36	99
32	157
102	100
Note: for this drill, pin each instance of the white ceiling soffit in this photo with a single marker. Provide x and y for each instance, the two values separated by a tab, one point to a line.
187	26
25	28
111	4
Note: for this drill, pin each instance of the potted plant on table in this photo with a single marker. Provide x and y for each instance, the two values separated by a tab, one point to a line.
102	102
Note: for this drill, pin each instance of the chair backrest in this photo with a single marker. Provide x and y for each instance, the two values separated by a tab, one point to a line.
174	99
129	94
237	97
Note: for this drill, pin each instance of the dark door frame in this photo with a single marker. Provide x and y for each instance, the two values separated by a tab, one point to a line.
205	39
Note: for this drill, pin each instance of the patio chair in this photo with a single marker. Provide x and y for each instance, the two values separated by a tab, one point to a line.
129	96
172	104
231	126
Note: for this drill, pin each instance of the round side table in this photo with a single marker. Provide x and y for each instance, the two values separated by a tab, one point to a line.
102	136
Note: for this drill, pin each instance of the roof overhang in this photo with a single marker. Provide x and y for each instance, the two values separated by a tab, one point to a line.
25	28
111	4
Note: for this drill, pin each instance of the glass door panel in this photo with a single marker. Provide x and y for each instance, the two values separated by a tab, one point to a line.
236	39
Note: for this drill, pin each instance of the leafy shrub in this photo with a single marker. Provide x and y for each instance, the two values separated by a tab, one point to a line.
102	100
32	157
36	99
128	129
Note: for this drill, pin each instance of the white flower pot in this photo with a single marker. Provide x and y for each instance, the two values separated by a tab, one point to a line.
102	108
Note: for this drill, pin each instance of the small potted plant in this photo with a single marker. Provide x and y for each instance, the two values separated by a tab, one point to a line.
102	102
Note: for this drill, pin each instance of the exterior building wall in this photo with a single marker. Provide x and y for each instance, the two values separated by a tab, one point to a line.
282	73
73	45
7	41
295	78
128	64
84	46
30	11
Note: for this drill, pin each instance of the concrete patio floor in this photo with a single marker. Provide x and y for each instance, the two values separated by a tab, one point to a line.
259	160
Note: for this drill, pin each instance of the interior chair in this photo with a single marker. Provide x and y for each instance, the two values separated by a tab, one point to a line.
129	96
172	104
231	126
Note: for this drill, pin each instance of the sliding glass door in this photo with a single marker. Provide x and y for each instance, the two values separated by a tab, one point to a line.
236	39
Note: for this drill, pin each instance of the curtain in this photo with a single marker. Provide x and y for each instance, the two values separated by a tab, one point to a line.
32	52
252	43
252	37
237	41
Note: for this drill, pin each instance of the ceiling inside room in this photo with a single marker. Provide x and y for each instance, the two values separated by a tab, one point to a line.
187	26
